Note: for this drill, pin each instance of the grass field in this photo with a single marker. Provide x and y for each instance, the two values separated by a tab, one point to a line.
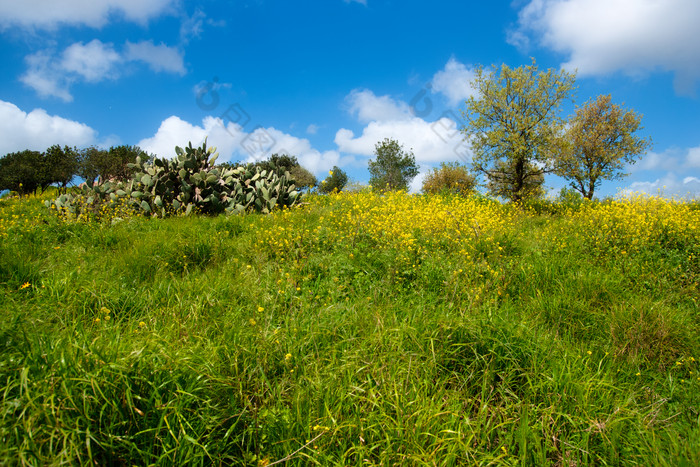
353	330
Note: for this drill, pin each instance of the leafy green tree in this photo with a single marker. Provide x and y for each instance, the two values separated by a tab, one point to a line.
450	177
336	181
513	126
393	168
118	158
302	177
97	163
23	172
600	140
90	162
501	182
61	166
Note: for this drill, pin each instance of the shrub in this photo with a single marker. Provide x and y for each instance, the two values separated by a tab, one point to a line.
450	177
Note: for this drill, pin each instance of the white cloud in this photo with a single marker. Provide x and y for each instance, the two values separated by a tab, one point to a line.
667	186
191	26
605	36
454	82
693	157
51	75
233	143
158	57
312	129
42	77
38	130
93	61
430	142
363	2
668	160
368	107
49	14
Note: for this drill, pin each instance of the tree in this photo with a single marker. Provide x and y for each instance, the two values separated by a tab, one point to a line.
22	172
599	141
302	177
90	162
61	165
336	181
450	177
111	164
394	168
116	164
504	178
513	125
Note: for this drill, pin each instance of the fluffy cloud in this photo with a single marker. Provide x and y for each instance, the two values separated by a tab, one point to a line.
454	82
604	36
431	142
43	14
233	143
389	118
368	107
51	75
93	61
160	58
669	185
38	130
693	157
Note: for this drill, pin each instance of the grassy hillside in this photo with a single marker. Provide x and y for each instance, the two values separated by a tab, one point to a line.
353	330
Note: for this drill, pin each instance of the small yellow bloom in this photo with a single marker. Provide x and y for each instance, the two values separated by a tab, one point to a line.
142	324
105	310
96	320
589	352
288	356
638	374
25	285
261	309
252	322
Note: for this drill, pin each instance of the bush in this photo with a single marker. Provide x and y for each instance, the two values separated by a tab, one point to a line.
336	181
450	177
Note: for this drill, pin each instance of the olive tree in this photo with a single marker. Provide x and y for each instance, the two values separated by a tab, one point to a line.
599	141
513	126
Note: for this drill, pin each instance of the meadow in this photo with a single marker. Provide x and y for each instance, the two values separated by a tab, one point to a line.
355	329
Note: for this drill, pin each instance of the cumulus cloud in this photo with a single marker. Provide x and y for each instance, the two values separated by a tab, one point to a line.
386	117
367	107
693	157
234	143
37	130
605	36
43	14
160	58
454	82
93	61
51	75
431	142
669	186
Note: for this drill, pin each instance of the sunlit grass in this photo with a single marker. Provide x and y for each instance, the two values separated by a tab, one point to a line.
356	329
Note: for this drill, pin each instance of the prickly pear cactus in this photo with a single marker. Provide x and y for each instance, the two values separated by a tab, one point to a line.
188	183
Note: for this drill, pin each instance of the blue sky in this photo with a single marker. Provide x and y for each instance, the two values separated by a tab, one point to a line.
325	80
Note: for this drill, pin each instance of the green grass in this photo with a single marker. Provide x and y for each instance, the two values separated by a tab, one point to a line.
179	342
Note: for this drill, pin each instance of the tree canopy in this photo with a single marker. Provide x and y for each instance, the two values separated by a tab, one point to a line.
336	181
393	168
599	142
513	125
450	177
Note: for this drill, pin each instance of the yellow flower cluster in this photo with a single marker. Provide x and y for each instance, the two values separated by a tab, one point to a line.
628	225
